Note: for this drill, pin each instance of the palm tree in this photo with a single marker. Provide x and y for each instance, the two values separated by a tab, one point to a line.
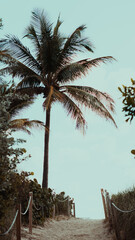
50	70
17	103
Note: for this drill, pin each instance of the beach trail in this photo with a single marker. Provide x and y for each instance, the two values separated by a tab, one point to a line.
70	229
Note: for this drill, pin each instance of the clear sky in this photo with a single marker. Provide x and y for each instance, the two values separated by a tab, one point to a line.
82	165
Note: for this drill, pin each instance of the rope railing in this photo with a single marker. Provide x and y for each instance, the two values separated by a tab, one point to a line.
38	209
123	211
11	226
111	211
70	205
17	219
23	213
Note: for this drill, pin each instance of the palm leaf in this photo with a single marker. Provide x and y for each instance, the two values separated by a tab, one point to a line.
74	44
31	91
30	33
18	104
18	51
25	124
90	101
32	82
43	27
72	109
44	32
56	28
101	96
75	70
19	70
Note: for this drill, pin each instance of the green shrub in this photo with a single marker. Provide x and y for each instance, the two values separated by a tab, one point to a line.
125	221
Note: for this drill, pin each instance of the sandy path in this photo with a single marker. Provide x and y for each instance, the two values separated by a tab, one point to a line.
73	229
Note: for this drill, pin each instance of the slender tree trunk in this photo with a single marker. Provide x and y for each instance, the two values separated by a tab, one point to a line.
46	151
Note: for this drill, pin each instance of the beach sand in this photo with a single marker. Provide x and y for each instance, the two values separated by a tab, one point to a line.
69	229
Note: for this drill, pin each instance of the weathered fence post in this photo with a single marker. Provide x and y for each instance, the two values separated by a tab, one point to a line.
53	210
115	223
108	207
30	212
18	223
122	235
104	204
73	209
68	207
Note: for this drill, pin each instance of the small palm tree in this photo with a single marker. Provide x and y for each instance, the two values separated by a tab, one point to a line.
50	70
17	103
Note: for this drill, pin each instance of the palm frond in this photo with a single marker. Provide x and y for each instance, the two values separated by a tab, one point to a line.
74	44
44	32
78	69
18	103
18	51
31	91
5	57
42	25
101	96
90	101
56	28
32	82
30	33
25	124
70	73
72	109
19	70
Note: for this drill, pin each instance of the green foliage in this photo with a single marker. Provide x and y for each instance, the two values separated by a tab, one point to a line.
10	156
43	199
125	221
128	95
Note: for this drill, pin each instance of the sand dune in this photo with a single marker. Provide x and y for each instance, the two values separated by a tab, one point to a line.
72	228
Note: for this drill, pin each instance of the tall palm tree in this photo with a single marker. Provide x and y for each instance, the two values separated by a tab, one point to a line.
50	70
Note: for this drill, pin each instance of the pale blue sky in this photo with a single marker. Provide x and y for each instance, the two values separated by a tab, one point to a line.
82	165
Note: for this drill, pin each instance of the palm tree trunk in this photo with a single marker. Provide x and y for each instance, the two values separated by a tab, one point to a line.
46	151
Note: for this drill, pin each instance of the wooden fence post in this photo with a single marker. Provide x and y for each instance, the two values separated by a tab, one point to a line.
53	210
18	223
115	223
104	204
108	207
74	209
68	207
30	212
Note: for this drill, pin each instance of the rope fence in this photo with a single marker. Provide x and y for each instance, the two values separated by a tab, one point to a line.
111	215
11	226
70	206
27	206
17	219
38	209
19	214
123	211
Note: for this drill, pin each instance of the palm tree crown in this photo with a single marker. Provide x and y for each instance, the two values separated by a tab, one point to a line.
50	70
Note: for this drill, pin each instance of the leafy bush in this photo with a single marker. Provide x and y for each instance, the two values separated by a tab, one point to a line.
10	156
43	199
125	221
